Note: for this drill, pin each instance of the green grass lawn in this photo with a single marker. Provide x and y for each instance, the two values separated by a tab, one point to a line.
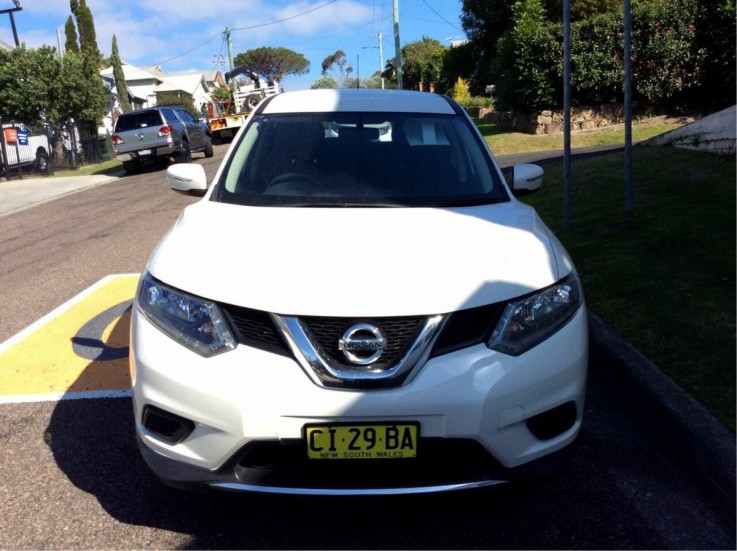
105	167
664	277
504	142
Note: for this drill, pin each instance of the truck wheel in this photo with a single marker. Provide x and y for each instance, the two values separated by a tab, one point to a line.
42	162
208	147
252	100
185	155
130	167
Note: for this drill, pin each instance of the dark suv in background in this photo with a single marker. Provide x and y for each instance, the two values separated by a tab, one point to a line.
158	134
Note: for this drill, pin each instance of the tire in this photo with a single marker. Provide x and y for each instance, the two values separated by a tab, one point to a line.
185	155
208	147
42	164
130	167
252	100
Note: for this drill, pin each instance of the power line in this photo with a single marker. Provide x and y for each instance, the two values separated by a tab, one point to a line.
286	18
440	16
184	53
242	29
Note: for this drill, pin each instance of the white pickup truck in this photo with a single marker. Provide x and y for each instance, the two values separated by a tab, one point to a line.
23	150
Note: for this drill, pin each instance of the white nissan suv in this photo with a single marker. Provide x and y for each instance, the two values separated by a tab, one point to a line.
359	304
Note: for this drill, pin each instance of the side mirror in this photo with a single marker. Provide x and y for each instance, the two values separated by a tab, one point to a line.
186	178
526	179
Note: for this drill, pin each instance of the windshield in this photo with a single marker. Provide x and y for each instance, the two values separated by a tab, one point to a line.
359	159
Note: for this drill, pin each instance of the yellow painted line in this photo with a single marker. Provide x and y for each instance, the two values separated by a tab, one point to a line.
80	350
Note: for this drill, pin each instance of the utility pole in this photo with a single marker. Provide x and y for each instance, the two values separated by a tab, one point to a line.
628	190
381	57
10	12
233	87
397	48
58	41
567	114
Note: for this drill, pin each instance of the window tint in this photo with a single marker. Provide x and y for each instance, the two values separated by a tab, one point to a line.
359	159
185	115
169	114
138	119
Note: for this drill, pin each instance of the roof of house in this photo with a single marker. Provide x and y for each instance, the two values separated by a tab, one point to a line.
187	82
164	82
133	73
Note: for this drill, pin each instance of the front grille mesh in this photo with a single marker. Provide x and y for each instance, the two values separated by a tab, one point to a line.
255	328
464	328
400	333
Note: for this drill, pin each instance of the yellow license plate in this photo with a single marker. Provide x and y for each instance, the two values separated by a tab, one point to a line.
376	441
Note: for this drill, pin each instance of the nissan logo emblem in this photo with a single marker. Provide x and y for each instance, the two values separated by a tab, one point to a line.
362	344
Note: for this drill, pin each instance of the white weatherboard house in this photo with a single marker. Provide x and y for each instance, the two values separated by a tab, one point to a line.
144	84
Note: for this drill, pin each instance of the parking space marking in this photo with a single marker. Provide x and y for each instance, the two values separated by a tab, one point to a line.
80	350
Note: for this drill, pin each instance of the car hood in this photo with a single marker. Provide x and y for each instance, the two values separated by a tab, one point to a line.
358	261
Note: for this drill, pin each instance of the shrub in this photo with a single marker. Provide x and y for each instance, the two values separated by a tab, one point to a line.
460	91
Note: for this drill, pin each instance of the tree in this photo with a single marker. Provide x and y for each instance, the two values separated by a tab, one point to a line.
86	27
28	84
715	38
273	63
485	22
460	90
665	58
179	100
423	63
458	61
70	31
581	9
527	64
338	64
119	76
325	82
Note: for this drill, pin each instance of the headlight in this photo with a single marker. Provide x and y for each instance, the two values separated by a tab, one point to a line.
196	323
528	321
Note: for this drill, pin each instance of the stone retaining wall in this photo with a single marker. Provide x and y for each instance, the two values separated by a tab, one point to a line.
551	122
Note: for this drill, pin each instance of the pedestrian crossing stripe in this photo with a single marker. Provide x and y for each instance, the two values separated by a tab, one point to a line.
80	350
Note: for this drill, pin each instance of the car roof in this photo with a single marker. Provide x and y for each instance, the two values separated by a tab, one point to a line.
357	100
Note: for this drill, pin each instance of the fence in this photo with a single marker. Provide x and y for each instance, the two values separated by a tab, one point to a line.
23	151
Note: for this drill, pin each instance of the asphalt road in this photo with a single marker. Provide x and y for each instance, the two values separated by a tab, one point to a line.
71	476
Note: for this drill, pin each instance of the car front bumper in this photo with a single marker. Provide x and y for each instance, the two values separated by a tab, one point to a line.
478	410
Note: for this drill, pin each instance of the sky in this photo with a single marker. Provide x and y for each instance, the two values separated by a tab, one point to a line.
189	35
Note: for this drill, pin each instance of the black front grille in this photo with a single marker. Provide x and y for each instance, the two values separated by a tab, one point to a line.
439	461
255	328
462	329
467	327
400	333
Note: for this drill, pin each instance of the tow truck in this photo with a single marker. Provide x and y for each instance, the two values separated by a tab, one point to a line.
225	117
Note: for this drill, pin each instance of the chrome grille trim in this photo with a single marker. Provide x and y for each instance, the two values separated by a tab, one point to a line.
325	372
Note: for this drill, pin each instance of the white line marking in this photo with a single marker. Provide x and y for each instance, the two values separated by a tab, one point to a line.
59	310
59	396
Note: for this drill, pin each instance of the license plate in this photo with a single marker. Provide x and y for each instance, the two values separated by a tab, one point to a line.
375	441
144	152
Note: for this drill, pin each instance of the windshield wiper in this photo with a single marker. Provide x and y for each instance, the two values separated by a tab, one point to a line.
341	204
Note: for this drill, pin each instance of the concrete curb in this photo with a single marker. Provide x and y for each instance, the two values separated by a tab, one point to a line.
686	425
